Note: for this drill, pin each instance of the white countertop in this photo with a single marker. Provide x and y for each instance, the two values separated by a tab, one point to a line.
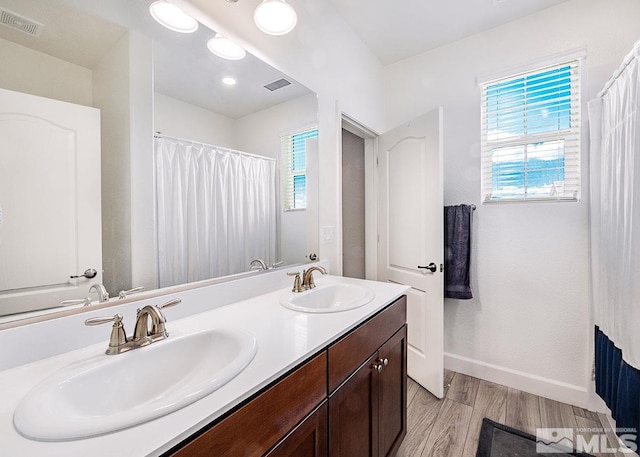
285	338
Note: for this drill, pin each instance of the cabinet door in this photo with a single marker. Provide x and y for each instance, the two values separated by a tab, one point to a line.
309	439
353	414
393	393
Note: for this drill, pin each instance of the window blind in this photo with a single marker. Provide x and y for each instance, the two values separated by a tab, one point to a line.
294	168
531	135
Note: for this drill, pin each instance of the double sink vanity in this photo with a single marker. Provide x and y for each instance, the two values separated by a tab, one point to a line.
246	368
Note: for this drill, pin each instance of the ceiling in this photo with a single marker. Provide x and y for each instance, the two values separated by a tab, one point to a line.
397	29
186	70
83	31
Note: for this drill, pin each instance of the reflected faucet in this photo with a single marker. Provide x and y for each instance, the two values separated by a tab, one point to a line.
123	293
103	295
80	301
258	264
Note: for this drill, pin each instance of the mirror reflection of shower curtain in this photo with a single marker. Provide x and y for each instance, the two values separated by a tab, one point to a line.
216	210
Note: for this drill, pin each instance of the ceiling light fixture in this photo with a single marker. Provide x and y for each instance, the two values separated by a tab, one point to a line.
172	17
275	17
229	81
225	48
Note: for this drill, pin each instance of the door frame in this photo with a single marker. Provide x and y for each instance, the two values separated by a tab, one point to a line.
370	137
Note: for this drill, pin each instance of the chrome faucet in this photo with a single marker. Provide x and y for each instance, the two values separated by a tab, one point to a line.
307	277
258	264
142	336
103	295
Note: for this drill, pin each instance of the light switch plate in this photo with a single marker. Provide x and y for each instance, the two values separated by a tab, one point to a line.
328	234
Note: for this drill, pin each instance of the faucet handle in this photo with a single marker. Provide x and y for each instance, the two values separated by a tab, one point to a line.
123	293
158	328
80	301
104	320
118	339
170	303
297	283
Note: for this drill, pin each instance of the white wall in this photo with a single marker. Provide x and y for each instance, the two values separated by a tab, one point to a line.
528	324
325	55
143	232
259	133
123	90
176	118
36	73
111	96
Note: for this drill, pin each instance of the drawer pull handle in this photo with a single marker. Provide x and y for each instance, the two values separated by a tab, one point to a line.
378	367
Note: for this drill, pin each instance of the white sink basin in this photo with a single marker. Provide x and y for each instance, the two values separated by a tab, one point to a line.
328	298
112	392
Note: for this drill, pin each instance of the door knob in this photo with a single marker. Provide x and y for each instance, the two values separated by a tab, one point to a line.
432	267
88	273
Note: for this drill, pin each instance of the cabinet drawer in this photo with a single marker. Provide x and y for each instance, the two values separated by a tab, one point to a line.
347	354
257	426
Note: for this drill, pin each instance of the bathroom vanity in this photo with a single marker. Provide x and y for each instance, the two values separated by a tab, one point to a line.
357	383
328	383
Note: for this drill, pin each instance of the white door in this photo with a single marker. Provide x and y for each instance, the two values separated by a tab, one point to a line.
411	237
50	216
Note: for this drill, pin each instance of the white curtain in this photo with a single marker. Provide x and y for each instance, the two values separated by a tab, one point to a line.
615	208
216	210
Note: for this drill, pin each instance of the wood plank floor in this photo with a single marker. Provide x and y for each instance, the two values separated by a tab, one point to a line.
450	427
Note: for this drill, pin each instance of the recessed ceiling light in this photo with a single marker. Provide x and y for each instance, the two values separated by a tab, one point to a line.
172	17
275	17
225	48
229	81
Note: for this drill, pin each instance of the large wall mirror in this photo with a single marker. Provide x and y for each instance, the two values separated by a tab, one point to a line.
132	150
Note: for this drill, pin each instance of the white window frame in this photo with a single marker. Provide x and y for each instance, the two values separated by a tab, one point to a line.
491	141
288	174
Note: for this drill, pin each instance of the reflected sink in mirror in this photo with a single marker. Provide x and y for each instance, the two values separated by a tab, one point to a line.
328	298
109	393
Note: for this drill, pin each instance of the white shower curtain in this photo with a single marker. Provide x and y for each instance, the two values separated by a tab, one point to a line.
216	210
615	240
615	208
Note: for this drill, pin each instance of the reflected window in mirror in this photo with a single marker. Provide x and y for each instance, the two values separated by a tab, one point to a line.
294	168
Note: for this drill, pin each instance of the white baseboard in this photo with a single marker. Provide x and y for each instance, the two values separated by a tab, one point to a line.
538	385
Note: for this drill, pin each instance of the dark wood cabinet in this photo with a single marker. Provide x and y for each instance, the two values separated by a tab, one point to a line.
308	439
261	423
367	413
353	410
349	400
392	393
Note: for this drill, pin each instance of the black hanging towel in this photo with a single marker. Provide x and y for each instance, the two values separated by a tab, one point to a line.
457	251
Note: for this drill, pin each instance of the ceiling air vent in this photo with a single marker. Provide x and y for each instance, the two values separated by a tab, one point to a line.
21	23
279	84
